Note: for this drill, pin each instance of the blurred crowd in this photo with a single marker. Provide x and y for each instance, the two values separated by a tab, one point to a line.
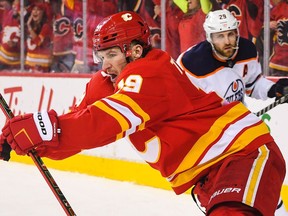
54	39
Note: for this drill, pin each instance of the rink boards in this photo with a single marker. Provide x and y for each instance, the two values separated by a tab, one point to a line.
32	92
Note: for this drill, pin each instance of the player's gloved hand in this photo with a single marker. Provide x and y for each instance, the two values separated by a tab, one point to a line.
5	149
279	89
29	131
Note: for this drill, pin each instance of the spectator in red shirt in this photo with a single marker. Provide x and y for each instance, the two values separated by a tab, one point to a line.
190	27
279	25
10	37
39	40
173	16
96	11
4	5
249	13
63	56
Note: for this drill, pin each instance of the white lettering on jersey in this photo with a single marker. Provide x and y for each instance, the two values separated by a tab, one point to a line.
235	91
225	190
132	83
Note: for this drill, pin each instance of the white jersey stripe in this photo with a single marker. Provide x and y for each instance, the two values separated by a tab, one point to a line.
130	116
228	136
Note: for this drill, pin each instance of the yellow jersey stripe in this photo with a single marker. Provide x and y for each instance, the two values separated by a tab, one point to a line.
255	176
198	148
227	138
134	120
241	142
121	120
134	106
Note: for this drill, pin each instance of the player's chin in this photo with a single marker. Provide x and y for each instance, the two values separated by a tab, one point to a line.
228	52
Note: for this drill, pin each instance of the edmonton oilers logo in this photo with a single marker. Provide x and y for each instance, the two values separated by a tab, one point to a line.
235	91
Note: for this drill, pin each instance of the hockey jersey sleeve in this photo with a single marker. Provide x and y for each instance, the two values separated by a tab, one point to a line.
46	31
261	88
256	85
98	87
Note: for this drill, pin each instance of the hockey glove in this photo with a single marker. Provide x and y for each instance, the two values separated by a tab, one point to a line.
29	131
5	149
279	89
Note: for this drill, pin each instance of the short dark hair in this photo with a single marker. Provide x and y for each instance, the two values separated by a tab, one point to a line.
146	47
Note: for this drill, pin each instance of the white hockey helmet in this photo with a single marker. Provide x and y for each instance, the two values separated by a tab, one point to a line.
219	21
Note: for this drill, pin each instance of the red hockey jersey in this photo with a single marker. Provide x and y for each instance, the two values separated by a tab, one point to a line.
278	58
250	15
191	30
39	49
174	126
10	40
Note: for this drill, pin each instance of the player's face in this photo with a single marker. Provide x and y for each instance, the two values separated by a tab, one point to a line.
113	61
225	42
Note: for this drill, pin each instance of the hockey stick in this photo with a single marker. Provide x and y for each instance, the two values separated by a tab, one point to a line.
41	167
281	100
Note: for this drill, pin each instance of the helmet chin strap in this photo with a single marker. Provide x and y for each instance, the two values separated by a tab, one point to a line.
128	53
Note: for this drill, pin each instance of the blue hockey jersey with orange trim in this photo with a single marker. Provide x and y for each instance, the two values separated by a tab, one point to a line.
174	126
231	79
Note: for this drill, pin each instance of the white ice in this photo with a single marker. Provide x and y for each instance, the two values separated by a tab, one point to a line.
23	191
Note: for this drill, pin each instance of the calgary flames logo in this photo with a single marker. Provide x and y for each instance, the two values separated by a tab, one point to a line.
282	36
78	29
127	17
62	26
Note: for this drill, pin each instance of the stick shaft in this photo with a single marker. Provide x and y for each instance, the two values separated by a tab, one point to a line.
281	100
41	167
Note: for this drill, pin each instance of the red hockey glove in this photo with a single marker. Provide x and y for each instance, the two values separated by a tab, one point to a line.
5	149
279	89
29	131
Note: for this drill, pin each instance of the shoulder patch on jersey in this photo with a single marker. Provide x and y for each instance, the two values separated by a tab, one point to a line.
199	60
246	50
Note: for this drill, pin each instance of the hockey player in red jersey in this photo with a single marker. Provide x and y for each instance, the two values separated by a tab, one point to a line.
186	134
213	72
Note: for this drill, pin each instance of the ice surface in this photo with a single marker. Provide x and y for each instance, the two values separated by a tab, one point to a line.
25	192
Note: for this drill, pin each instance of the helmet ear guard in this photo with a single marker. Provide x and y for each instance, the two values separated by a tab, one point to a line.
120	30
